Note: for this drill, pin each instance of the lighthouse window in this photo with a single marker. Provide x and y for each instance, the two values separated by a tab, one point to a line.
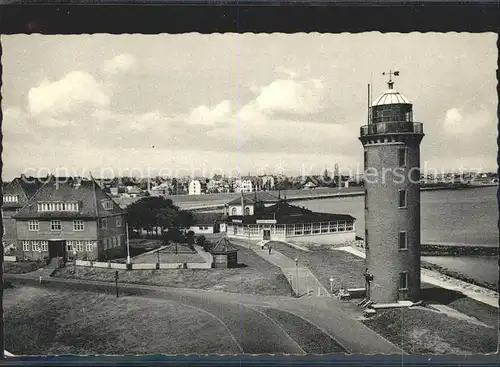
403	281
403	244
402	157
402	198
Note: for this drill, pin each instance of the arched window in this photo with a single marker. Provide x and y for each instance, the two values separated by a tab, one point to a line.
247	211
233	211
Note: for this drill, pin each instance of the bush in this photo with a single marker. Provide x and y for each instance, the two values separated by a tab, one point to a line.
201	240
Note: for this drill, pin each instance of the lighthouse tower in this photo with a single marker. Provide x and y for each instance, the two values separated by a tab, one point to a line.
391	142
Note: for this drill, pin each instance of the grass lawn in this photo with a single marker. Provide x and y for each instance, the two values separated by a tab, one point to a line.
42	321
21	267
345	269
419	331
311	339
257	277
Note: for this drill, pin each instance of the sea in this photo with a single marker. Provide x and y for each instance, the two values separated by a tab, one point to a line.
465	217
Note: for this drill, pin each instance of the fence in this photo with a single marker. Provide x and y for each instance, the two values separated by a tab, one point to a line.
150	266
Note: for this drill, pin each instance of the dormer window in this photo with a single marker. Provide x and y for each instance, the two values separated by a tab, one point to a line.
107	204
10	198
58	206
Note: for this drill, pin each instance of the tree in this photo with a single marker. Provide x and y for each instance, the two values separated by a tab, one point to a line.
152	211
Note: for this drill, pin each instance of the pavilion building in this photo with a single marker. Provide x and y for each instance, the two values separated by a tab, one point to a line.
286	222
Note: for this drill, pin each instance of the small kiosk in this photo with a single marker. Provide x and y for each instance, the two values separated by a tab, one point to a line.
224	254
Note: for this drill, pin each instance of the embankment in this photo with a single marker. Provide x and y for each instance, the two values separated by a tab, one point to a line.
457	250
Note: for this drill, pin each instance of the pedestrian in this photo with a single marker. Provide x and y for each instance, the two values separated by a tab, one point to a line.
41	279
270	249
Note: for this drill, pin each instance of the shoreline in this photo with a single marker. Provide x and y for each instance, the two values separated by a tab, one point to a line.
306	195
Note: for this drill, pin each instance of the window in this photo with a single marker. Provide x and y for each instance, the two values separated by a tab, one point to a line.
403	281
55	225
307	228
58	206
402	198
325	227
402	157
118	221
69	246
79	246
10	198
403	245
316	227
119	241
78	225
341	225
89	246
349	225
247	211
104	223
114	242
233	211
366	159
44	245
26	246
107	204
33	226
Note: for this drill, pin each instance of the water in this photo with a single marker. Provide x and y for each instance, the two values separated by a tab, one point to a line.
447	216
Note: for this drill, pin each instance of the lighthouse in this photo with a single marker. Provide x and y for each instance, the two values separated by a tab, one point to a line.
391	142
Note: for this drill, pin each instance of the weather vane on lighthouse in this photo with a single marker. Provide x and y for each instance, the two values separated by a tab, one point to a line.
390	83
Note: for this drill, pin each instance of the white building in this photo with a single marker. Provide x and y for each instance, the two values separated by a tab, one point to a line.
267	182
194	187
249	203
285	222
245	184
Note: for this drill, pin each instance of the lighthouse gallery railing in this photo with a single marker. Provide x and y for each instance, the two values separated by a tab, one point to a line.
392	128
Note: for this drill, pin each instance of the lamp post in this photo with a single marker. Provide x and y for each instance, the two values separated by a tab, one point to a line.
158	256
116	282
297	268
248	230
40	252
290	276
331	285
128	244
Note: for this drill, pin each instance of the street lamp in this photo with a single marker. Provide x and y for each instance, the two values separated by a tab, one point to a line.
74	260
297	268
331	285
128	244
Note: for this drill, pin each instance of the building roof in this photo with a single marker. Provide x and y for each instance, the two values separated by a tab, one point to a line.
252	198
223	246
391	96
177	248
284	213
207	218
24	187
65	189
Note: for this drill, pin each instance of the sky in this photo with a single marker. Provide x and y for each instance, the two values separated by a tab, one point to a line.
195	104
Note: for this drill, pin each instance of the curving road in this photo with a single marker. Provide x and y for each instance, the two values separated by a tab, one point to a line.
253	331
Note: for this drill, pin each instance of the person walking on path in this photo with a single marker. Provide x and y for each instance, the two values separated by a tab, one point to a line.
270	248
40	279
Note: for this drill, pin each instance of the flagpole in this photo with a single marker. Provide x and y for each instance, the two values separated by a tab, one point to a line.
128	245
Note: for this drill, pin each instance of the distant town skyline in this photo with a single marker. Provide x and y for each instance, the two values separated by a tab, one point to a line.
257	104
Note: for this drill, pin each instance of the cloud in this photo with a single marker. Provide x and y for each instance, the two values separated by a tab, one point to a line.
120	63
458	121
66	94
291	97
203	115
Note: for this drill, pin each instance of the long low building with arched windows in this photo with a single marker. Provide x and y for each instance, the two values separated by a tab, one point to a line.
282	221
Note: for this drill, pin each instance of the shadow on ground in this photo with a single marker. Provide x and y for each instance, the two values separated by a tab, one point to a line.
440	295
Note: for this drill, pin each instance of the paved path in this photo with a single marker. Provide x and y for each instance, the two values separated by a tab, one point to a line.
254	331
307	284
